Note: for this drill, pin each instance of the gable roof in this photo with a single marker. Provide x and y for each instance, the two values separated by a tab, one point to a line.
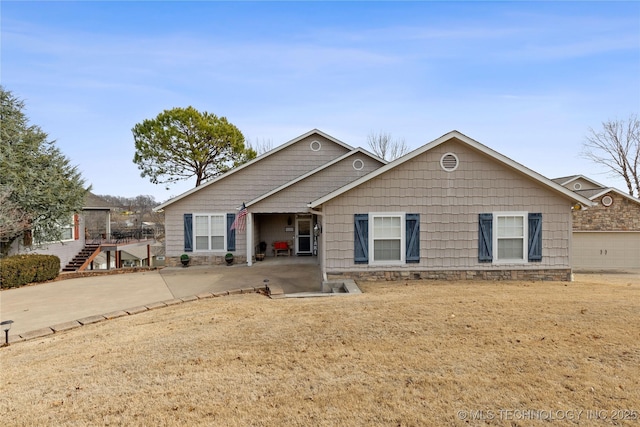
251	162
473	144
569	179
595	192
313	172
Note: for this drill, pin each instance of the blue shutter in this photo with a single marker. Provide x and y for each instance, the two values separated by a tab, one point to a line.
231	234
535	237
412	237
188	232
361	239
485	237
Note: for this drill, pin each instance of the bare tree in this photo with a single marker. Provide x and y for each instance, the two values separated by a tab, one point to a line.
384	146
617	147
261	147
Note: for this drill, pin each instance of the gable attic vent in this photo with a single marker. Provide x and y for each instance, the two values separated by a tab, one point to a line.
315	145
449	162
607	201
577	186
358	164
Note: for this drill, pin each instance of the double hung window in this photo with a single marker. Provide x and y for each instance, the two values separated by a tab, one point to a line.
510	237
209	232
505	237
387	237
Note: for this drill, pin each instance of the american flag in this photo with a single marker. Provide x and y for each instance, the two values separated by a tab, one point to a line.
239	222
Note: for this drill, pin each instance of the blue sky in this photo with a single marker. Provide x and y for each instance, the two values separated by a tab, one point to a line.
527	79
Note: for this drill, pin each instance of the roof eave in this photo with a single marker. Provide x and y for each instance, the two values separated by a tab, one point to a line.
625	195
575	177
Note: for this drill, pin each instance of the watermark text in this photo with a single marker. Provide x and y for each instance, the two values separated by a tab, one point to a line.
549	414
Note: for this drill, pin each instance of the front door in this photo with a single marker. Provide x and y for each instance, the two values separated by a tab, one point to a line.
303	235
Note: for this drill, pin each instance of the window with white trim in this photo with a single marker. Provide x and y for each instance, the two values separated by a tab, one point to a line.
510	237
209	231
387	237
67	232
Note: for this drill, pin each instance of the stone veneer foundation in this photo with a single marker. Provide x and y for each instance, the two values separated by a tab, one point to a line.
204	260
558	275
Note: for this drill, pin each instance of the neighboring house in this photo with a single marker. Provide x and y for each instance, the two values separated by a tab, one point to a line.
453	208
606	235
93	221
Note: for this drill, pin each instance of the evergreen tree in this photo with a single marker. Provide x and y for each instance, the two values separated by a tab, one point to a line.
39	188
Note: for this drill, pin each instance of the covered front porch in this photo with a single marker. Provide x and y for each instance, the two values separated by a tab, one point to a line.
274	235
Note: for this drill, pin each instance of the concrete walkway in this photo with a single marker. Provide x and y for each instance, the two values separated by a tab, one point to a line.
63	303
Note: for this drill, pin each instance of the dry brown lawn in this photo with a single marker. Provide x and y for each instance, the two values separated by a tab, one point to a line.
420	353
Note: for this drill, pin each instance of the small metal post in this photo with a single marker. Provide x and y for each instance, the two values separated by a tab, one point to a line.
6	325
266	284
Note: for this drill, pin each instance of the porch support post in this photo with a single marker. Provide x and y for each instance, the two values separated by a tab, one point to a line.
249	233
108	236
323	249
323	252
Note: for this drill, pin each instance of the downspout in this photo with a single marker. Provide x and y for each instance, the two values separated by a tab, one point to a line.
322	246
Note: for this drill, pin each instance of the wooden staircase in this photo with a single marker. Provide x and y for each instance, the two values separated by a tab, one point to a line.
86	254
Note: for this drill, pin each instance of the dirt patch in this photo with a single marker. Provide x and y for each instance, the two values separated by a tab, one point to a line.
409	354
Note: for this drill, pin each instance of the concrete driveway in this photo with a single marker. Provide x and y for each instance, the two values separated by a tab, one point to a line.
64	303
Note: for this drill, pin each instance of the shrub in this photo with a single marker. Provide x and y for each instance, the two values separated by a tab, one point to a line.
19	270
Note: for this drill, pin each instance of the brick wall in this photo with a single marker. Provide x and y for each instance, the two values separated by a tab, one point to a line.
622	215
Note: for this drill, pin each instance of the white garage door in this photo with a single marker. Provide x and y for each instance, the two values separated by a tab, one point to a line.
605	250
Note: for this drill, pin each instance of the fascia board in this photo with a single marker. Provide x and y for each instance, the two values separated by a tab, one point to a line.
576	177
623	194
565	179
601	193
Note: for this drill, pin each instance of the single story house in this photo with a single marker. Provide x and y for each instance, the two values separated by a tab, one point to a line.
607	235
452	208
